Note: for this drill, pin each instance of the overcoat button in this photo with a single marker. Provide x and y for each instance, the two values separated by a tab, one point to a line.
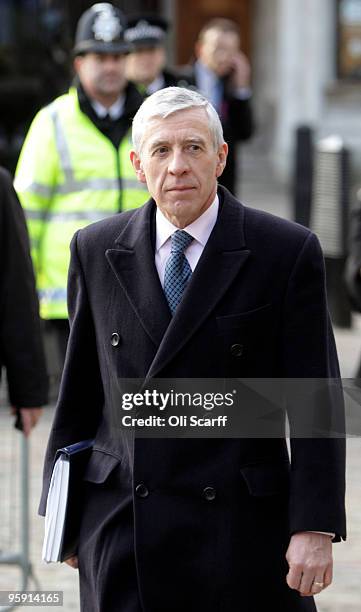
115	339
209	493
236	350
141	490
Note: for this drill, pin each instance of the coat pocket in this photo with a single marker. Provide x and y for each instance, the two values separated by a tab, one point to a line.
226	323
267	478
100	466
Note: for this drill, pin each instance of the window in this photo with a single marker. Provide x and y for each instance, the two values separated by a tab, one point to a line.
349	39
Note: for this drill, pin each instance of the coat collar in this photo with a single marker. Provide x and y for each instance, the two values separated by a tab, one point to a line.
132	261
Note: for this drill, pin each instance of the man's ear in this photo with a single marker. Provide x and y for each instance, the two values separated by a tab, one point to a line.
77	63
222	158
137	165
198	49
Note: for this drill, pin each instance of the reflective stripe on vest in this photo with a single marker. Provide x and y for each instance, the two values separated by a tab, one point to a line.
71	185
72	215
62	146
96	184
53	295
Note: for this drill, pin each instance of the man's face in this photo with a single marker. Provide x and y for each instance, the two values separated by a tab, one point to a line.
217	50
101	74
144	65
180	164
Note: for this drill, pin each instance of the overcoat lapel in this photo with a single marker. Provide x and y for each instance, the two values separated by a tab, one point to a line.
133	264
132	261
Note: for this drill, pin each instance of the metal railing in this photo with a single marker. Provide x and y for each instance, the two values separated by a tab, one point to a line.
20	558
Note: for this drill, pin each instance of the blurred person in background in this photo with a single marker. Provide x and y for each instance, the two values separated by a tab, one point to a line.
146	62
222	73
21	349
74	167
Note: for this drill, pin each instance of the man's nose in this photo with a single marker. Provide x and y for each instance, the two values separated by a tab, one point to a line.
112	63
178	163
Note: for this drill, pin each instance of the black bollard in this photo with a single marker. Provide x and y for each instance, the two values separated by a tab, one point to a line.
303	174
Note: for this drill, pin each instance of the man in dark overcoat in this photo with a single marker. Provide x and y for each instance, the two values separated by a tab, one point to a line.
196	285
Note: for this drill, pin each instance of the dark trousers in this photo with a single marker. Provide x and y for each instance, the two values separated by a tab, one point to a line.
60	327
56	334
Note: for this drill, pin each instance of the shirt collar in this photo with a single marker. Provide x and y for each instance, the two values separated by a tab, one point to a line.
155	85
114	111
204	73
209	84
200	229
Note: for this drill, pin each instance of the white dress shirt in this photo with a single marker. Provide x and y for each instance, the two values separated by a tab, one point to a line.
209	84
200	229
212	87
158	83
115	110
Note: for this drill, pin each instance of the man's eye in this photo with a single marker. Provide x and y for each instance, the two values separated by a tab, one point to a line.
194	147
161	151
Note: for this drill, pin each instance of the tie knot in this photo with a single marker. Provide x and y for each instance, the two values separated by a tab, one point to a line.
180	240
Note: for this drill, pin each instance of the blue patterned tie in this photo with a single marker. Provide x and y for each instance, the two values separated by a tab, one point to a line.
177	270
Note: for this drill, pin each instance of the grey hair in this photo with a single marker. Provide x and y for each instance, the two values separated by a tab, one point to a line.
169	100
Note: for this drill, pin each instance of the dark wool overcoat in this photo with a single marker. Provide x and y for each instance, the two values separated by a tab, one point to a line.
196	524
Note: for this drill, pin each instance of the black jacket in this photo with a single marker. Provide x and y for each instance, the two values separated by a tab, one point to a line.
202	510
171	78
21	349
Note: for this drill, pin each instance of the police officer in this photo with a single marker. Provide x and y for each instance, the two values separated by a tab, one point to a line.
146	62
74	167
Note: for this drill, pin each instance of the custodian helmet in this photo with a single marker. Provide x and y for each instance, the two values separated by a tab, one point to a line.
101	30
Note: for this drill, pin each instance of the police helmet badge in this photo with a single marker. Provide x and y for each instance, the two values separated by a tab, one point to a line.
107	26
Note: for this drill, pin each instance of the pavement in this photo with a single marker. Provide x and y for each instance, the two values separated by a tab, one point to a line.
344	595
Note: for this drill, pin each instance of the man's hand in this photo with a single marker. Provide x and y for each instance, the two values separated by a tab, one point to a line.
241	73
309	557
73	562
29	418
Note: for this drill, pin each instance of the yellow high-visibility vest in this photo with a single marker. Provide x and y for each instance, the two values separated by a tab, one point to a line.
69	174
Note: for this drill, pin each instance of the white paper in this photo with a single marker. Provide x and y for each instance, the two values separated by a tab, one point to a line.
55	510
